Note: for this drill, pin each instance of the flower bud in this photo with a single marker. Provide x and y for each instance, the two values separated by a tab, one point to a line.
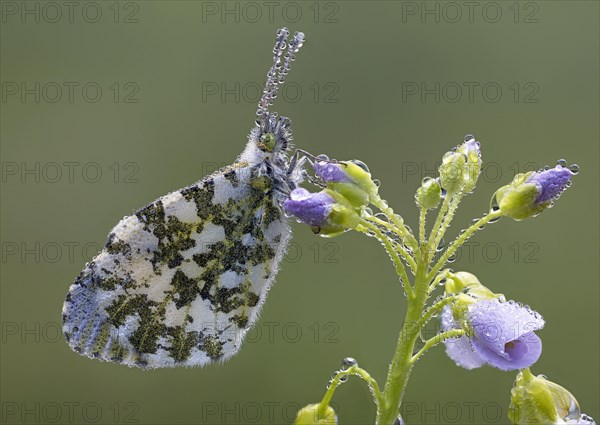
535	400
471	150
531	193
468	283
461	167
451	172
309	415
327	212
429	194
351	179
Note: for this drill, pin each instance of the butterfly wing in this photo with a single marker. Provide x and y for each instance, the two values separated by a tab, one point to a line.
182	280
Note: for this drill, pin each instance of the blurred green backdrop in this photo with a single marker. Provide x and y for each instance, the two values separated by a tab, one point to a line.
106	106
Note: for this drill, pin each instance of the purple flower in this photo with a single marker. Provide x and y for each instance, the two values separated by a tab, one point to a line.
331	172
310	208
550	183
459	349
502	336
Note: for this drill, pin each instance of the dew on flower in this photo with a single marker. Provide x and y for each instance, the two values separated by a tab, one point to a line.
574	168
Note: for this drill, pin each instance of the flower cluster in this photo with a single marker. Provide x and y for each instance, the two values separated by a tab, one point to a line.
348	188
478	327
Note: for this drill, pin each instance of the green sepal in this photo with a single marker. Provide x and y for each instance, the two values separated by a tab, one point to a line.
360	190
452	172
429	194
342	217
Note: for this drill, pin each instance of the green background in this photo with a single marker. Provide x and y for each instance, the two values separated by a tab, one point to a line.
341	294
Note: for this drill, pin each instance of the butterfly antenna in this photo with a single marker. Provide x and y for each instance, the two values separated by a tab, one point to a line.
278	71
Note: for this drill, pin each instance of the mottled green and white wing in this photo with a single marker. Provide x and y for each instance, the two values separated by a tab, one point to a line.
181	281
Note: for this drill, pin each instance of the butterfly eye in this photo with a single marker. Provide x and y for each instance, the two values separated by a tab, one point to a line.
267	142
360	164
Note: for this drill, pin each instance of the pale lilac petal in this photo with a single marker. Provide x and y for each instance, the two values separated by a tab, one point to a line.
518	354
550	183
331	172
459	349
495	323
310	208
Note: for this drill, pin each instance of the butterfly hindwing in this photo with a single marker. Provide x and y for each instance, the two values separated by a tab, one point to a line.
182	280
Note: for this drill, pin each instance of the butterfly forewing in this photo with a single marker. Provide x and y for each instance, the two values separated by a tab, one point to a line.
182	280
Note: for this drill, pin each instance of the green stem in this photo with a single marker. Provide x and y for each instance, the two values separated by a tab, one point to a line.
336	381
422	223
400	270
403	252
401	365
461	240
398	222
434	310
453	206
444	274
431	342
438	223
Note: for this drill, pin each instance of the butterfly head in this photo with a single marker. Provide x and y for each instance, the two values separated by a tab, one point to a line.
270	139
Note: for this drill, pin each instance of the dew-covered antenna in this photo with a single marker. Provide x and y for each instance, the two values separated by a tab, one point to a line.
278	71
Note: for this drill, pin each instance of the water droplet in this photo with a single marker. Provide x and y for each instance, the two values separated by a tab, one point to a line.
441	245
399	421
348	362
377	182
451	259
426	179
368	211
493	220
469	137
361	165
343	378
574	168
442	282
561	162
322	157
494	206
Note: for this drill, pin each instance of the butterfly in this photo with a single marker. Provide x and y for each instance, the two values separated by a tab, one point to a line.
181	281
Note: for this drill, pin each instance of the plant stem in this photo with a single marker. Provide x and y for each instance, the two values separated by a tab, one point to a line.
453	205
422	223
453	333
434	309
336	381
461	240
397	221
401	365
403	252
438	222
400	270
